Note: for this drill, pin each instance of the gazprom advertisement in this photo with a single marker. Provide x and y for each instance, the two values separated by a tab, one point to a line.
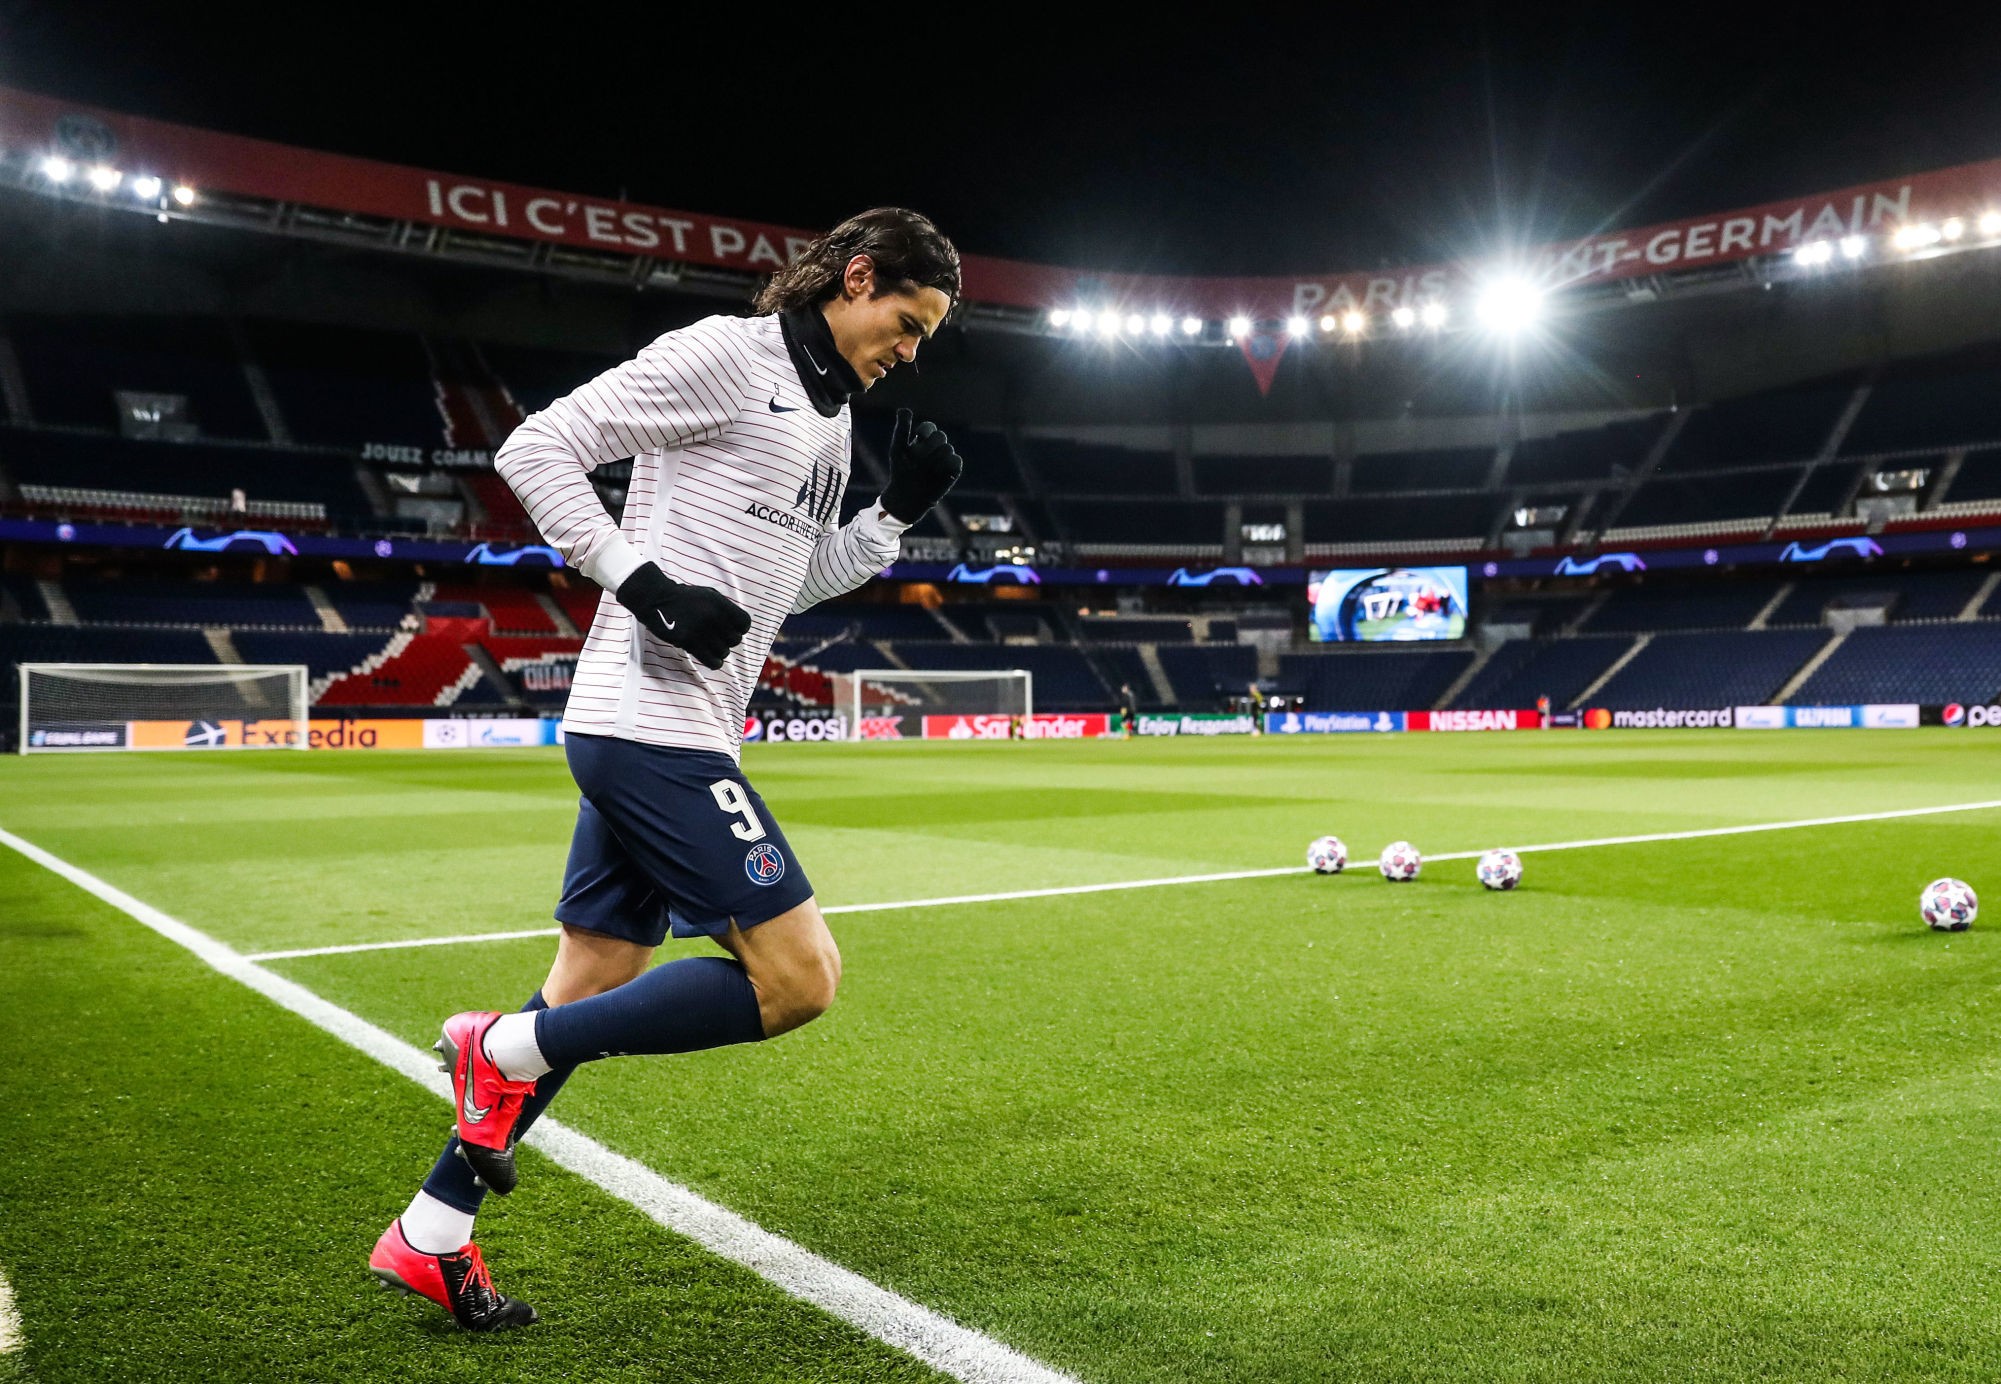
1387	603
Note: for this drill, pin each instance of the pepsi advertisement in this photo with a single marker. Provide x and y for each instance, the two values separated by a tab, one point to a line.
1393	604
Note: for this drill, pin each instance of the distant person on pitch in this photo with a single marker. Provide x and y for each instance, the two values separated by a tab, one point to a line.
1127	706
740	436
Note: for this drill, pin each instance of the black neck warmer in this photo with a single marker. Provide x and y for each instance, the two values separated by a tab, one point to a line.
825	373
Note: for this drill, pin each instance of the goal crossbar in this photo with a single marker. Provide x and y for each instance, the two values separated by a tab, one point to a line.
860	678
132	706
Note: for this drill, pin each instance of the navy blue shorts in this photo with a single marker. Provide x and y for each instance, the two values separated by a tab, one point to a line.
671	840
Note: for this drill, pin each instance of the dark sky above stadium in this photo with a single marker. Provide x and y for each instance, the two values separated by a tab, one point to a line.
1202	144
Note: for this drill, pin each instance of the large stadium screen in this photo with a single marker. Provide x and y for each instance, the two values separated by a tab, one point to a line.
1387	603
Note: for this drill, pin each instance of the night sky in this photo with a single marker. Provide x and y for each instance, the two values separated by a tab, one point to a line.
1414	133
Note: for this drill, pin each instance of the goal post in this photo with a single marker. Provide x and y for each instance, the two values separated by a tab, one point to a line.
870	694
68	707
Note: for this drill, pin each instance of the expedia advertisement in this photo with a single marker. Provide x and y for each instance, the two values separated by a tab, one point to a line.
1197	723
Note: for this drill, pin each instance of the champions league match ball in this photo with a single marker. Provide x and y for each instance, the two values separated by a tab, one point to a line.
1948	905
1500	869
1400	862
1327	855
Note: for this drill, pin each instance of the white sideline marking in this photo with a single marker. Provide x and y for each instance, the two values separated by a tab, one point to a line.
1192	879
11	1336
939	1342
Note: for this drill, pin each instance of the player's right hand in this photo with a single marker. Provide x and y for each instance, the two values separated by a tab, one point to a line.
700	619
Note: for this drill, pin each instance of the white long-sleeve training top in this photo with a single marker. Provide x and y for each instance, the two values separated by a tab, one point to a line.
736	484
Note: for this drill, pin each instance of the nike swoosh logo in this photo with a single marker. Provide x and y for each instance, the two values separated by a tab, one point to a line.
667	624
807	351
777	408
472	1112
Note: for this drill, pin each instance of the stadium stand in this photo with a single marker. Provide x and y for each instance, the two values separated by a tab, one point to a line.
1711	668
1372	680
320	484
412	670
1522	670
1913	663
1937	401
1261	475
1715	606
1207	676
1077	468
239	605
347	386
1450	469
1064	678
1586	454
75	366
1771	426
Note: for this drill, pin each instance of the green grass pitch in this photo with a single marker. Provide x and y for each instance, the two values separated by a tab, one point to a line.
1705	1109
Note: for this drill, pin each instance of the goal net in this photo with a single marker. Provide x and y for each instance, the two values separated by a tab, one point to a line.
162	706
897	703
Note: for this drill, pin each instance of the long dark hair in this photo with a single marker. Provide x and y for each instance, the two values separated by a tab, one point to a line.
907	250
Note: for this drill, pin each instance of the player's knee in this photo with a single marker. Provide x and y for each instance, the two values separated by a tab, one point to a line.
806	991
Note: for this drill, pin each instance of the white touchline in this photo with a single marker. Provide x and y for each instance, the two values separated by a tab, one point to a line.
936	1340
11	1337
1189	879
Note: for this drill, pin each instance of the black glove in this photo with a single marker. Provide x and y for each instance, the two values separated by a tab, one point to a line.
922	467
700	619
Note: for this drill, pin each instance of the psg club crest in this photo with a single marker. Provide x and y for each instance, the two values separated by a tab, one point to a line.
764	863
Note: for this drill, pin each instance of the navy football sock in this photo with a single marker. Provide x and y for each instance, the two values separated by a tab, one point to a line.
451	1180
683	1006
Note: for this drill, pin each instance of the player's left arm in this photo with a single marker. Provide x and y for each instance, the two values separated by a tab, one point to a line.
922	467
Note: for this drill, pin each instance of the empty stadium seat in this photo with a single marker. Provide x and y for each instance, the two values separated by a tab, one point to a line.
1773	425
1375	680
1064	679
73	366
1909	663
1734	668
1719	606
1522	670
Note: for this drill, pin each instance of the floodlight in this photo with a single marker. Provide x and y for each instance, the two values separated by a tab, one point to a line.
1297	326
1990	224
1433	315
146	188
184	195
1081	319
1354	322
1853	246
1161	324
1510	305
57	169
104	179
1405	317
1108	324
1191	326
1952	228
1059	317
1329	322
1814	252
1135	324
1240	326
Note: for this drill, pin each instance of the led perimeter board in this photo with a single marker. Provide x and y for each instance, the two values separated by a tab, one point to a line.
1387	603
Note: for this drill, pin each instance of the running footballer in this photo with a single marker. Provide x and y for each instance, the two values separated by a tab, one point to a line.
740	438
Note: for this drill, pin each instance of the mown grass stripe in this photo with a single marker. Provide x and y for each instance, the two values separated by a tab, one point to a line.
939	1342
1112	886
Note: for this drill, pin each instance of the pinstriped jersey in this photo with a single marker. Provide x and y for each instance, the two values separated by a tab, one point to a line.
736	484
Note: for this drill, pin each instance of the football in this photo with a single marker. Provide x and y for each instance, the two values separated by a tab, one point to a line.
1400	862
1948	905
1500	869
1327	855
